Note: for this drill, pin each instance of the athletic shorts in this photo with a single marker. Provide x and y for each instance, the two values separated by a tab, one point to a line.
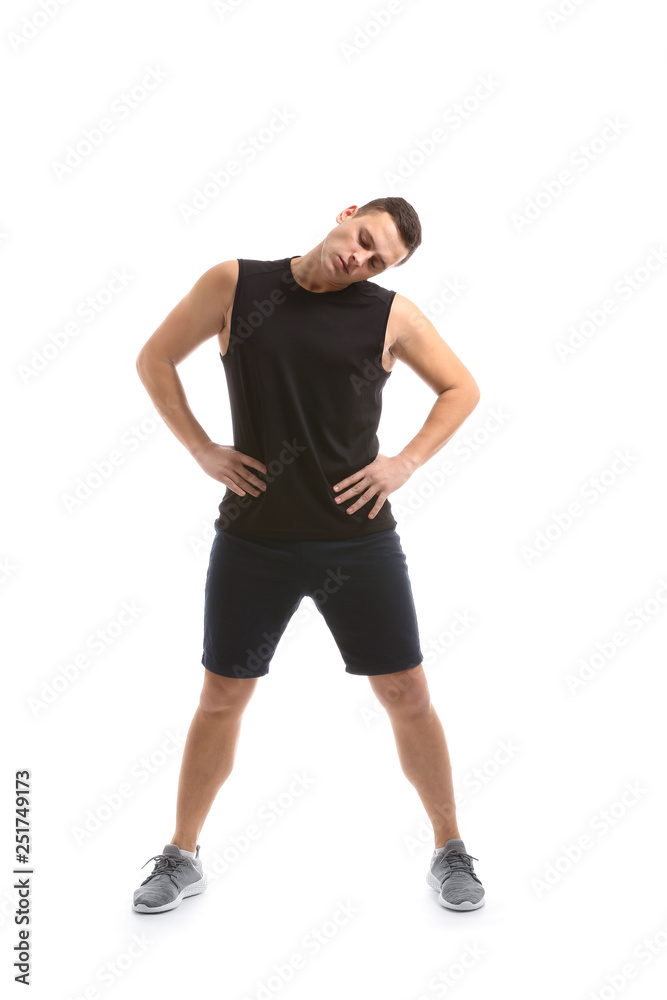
359	585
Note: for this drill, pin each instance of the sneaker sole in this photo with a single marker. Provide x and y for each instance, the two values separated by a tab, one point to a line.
190	890
465	905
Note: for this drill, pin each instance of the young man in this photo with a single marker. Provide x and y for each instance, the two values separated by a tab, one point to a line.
307	344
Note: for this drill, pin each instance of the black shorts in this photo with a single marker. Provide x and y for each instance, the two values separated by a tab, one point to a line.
359	585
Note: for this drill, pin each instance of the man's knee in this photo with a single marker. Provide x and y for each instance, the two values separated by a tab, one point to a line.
405	691
225	693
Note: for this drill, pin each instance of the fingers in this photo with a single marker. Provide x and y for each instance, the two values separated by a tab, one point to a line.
234	487
249	480
362	500
253	484
343	483
254	463
244	481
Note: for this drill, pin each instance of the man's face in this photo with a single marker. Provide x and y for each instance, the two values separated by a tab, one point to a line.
361	247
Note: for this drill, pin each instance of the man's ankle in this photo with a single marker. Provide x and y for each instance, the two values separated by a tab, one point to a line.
441	842
185	843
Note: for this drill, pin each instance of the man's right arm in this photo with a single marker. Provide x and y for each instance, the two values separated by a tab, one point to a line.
199	316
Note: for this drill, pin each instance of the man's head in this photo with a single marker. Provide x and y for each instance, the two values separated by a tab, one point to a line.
370	238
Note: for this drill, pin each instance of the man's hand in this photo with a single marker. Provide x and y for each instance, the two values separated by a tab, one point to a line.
228	466
381	477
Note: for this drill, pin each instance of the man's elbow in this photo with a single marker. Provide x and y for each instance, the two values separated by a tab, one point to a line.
147	358
145	363
141	364
472	393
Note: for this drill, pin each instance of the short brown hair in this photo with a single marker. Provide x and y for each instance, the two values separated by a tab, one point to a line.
405	217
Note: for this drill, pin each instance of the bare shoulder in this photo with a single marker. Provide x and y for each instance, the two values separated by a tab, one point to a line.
414	340
203	312
406	320
214	290
221	280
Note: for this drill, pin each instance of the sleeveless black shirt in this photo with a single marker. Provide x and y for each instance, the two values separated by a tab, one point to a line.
305	378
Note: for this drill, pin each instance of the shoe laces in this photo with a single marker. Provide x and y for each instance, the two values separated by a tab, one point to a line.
460	861
165	864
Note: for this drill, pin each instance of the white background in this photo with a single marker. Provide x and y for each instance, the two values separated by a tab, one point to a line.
545	435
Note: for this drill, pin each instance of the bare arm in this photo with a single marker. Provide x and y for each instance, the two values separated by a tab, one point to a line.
199	316
419	345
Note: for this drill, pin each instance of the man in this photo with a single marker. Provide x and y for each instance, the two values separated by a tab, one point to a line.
307	344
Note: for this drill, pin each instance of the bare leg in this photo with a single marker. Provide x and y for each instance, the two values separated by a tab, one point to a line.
208	755
421	745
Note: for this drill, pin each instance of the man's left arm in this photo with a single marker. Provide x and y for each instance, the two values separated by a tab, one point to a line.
419	345
416	343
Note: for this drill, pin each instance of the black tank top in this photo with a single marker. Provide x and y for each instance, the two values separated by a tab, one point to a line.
305	378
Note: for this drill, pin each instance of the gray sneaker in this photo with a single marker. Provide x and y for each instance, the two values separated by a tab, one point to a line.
452	874
173	877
